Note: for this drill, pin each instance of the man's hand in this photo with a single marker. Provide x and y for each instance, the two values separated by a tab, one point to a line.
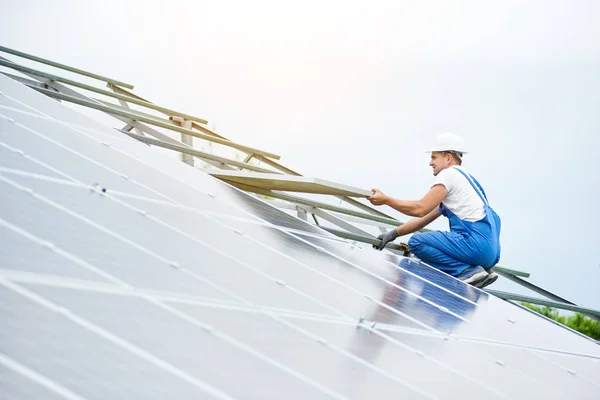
386	238
378	198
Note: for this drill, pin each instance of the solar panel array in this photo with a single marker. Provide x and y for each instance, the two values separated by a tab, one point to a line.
128	274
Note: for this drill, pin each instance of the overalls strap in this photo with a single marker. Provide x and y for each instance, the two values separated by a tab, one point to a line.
476	186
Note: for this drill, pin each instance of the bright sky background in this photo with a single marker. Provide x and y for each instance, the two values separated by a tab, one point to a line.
355	91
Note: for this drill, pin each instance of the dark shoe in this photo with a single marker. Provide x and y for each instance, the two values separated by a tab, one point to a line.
473	275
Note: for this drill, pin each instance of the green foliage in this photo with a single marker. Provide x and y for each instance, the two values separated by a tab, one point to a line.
579	322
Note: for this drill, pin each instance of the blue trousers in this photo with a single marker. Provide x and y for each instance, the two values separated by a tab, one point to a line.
453	252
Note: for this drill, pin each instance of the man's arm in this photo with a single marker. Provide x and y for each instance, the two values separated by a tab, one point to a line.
415	224
414	208
411	226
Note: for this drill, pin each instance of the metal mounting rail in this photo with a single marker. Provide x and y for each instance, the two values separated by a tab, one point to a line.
129	99
588	312
373	240
196	153
151	121
65	67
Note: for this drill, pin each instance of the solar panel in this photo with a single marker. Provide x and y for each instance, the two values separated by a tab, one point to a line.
128	274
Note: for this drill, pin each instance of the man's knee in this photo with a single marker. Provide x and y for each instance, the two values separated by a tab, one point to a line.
416	244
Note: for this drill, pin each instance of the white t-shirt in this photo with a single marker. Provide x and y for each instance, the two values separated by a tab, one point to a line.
462	199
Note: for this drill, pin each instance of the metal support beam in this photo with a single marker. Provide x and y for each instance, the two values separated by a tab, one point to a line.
364	207
508	273
125	107
588	312
372	240
127	128
302	213
204	129
113	111
338	221
365	220
323	206
25	81
219	162
65	67
148	130
364	239
185	139
30	71
196	153
536	289
139	128
124	104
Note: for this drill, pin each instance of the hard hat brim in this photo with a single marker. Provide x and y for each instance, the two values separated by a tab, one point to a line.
458	151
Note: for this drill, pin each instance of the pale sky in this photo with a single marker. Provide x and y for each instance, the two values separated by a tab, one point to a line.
355	91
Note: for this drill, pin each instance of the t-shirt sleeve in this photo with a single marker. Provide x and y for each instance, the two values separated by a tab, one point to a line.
446	178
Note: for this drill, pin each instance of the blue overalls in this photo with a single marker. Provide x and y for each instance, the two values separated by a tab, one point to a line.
467	244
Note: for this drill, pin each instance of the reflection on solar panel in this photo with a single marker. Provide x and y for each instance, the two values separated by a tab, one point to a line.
127	274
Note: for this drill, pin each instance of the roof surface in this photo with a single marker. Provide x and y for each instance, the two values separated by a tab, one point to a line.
128	274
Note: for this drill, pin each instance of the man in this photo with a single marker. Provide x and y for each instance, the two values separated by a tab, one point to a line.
472	247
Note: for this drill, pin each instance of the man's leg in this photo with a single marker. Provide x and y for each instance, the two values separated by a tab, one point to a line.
433	248
439	249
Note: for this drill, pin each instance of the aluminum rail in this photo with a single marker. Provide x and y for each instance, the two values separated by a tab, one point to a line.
373	240
204	129
103	92
65	67
538	289
317	204
195	153
267	161
589	312
151	121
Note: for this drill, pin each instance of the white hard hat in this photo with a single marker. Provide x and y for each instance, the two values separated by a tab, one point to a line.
448	142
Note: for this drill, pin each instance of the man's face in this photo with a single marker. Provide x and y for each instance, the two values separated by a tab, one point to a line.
439	161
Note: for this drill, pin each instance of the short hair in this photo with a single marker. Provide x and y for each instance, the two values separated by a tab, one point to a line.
456	155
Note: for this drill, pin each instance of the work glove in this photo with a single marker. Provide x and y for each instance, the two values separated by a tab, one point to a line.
386	238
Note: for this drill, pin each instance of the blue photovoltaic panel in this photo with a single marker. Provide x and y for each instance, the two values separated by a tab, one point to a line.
128	274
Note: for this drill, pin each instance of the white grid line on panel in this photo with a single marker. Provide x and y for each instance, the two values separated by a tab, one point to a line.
28	113
67	123
282	321
36	278
385	373
68	181
125	345
127	289
568	370
67	148
38	378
